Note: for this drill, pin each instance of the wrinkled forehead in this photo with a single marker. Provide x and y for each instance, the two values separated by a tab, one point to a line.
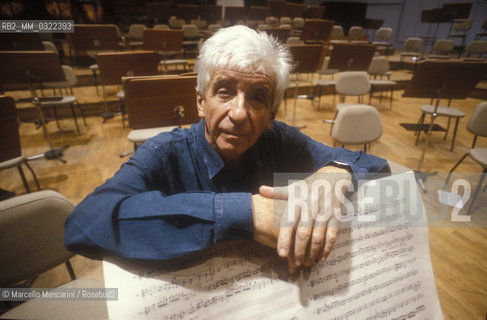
242	78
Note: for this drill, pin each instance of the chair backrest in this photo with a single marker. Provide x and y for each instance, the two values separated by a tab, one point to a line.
352	83
214	27
49	46
413	44
161	26
384	34
294	40
357	124
478	121
298	23
161	101
356	33
199	23
444	45
337	32
176	23
163	40
9	130
462	25
71	79
272	21
115	65
136	31
378	66
190	31
31	234
307	58
476	47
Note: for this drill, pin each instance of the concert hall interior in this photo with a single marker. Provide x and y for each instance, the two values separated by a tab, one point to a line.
74	73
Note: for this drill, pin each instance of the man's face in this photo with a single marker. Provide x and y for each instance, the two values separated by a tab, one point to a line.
237	109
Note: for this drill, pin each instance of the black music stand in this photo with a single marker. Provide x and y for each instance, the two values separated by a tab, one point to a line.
441	80
33	68
317	30
307	58
351	57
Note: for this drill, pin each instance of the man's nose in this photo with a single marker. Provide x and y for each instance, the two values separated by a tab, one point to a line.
238	109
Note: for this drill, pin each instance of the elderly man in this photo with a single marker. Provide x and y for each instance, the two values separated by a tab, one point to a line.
188	189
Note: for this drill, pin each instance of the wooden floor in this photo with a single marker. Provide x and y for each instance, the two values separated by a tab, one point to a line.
458	252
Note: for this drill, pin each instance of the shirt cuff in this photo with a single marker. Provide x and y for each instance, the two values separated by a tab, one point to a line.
233	216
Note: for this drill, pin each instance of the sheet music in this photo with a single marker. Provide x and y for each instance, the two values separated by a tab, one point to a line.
375	271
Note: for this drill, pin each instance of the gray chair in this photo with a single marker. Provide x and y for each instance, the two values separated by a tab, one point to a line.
357	124
475	50
449	112
412	49
477	126
11	154
379	67
68	100
383	36
442	49
31	233
357	35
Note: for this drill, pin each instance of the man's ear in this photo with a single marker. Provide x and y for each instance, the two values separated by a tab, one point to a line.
200	101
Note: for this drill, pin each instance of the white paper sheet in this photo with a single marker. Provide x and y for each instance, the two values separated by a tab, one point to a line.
375	271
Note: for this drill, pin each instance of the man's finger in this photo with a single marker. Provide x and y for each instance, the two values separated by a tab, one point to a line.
303	235
330	238
279	193
316	242
285	241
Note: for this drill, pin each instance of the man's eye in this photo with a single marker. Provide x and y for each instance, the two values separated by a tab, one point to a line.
224	93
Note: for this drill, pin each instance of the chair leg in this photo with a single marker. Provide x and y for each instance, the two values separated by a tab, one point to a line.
421	121
476	193
70	270
74	118
33	175
57	119
82	113
22	176
454	134
453	169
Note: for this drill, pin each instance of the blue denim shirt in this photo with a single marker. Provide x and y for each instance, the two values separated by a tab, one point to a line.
176	196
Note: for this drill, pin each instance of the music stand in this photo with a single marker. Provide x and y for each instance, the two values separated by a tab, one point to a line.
351	57
442	80
307	58
20	42
317	30
33	67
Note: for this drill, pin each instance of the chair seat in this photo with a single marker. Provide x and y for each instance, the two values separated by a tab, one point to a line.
325	83
12	162
62	309
382	83
410	54
120	95
480	156
174	61
57	101
93	67
382	43
141	135
443	111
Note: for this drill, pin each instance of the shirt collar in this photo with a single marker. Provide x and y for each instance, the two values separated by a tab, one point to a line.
213	161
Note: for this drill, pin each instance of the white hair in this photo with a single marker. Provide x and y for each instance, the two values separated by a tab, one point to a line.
246	50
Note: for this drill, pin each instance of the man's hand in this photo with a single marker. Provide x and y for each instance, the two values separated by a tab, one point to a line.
308	231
